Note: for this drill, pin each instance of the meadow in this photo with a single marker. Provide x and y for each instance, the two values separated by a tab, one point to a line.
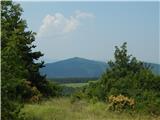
63	109
129	89
74	85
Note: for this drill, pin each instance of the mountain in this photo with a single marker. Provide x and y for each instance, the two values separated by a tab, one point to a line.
74	67
154	67
80	68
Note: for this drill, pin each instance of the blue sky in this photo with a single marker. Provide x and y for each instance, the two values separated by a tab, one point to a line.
92	29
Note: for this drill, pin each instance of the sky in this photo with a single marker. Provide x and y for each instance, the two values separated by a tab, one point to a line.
92	29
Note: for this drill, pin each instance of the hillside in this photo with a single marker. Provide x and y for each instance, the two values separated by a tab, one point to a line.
155	68
80	68
74	67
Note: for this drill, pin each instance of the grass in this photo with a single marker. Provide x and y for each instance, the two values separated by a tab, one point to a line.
62	109
75	85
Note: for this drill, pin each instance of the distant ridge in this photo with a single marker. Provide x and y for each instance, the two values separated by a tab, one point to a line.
154	67
74	67
80	67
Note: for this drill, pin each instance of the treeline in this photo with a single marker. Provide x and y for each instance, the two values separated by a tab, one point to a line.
127	83
20	78
73	80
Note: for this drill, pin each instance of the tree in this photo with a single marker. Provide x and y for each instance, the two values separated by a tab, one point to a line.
129	77
119	77
13	70
16	37
123	63
18	62
125	75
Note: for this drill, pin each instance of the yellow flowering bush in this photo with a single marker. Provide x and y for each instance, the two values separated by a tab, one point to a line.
120	103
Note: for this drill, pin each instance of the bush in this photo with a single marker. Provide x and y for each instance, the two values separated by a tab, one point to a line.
153	109
151	102
128	76
120	103
93	100
77	96
52	89
10	109
28	92
95	89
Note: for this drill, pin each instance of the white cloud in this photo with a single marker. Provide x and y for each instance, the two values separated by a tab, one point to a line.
79	14
58	24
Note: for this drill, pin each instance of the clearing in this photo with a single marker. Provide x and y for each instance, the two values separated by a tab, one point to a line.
63	109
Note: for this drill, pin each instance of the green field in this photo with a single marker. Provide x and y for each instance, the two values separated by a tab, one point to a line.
62	109
74	85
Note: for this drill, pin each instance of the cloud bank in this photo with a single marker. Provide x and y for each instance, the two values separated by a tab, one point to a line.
58	24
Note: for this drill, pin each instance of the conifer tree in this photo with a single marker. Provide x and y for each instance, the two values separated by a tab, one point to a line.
17	60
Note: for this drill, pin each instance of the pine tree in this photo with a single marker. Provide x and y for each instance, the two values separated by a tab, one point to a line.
17	60
15	37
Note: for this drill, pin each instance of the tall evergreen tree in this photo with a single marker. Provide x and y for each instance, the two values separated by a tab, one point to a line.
17	60
13	70
15	38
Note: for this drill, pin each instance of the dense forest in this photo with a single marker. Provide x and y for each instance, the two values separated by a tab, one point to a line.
128	85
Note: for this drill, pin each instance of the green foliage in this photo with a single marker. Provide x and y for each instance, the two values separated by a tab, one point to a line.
93	100
129	77
18	63
52	89
79	95
94	89
28	92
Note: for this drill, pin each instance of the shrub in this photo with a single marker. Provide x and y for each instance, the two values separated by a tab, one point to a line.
77	96
52	89
28	91
153	109
128	76
152	102
95	89
93	100
120	103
